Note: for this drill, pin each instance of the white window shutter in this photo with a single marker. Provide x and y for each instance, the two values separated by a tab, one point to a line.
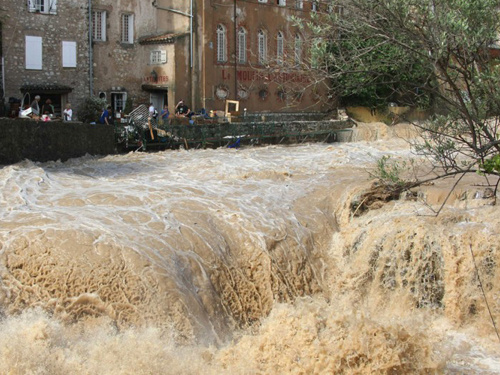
51	6
31	5
131	29
33	53
103	26
68	54
163	56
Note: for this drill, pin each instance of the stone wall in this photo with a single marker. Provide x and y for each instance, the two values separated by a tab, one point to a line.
69	23
45	141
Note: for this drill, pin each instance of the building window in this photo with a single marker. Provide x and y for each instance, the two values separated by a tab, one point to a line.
33	52
43	6
279	48
298	49
221	92
314	6
118	100
281	3
127	28
315	52
221	43
158	57
262	38
68	54
299	4
242	46
243	93
99	26
262	1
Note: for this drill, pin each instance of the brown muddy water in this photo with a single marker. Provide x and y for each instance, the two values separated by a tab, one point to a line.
244	261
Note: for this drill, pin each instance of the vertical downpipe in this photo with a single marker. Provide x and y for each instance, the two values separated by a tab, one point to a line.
193	99
91	58
203	62
235	55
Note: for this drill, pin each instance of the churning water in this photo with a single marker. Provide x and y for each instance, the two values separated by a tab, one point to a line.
243	261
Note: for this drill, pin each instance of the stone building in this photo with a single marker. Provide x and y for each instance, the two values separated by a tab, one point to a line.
202	51
250	52
45	50
136	52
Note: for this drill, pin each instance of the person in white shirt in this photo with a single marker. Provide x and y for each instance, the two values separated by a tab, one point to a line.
68	112
152	110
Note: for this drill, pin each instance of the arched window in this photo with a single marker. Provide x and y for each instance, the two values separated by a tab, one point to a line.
298	49
280	48
221	43
242	46
262	38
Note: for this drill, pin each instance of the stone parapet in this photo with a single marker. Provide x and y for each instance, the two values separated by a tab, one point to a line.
55	140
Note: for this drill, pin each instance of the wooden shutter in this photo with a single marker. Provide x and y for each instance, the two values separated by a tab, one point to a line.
103	26
51	6
33	52
68	54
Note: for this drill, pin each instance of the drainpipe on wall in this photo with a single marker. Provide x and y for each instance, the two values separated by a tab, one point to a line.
191	51
235	55
203	62
3	77
91	58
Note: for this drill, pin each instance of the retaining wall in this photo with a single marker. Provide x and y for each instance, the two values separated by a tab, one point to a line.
44	141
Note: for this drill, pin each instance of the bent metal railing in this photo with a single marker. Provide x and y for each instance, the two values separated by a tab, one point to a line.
203	133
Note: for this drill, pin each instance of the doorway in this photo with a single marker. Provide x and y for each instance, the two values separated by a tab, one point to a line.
159	99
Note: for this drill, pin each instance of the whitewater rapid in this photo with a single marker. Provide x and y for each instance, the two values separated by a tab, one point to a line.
243	261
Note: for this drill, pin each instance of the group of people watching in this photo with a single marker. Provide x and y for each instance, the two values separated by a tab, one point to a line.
47	112
181	110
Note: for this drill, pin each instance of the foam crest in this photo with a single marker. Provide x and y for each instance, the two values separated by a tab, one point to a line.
242	261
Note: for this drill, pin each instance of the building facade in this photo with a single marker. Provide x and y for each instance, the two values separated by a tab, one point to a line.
204	52
45	51
253	54
132	52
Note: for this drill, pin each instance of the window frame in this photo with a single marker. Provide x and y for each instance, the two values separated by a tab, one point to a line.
242	45
221	46
157	57
42	6
280	47
127	28
262	46
297	50
115	101
99	18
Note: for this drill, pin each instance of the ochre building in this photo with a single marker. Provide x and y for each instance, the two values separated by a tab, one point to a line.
204	52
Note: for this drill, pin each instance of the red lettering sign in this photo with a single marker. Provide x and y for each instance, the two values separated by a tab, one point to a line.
253	75
159	79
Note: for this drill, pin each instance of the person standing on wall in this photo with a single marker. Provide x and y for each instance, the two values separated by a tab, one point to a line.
35	108
179	108
104	119
153	113
48	108
164	114
68	112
